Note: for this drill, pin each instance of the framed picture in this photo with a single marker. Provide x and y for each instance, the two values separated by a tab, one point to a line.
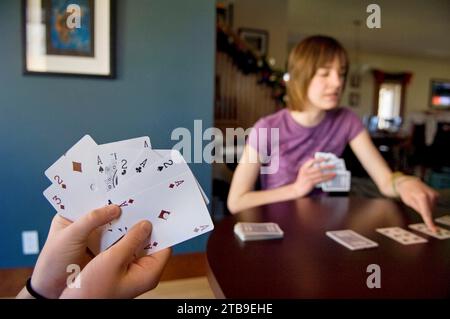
353	99
224	14
69	37
440	94
257	39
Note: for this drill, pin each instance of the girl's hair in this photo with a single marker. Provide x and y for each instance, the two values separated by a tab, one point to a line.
309	55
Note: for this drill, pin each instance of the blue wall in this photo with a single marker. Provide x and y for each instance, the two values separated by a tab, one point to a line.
165	71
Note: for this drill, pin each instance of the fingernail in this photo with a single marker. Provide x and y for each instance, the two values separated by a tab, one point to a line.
145	228
113	210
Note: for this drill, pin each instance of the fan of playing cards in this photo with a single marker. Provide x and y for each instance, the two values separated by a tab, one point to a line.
154	185
341	183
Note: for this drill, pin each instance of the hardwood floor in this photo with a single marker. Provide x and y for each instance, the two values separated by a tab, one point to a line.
13	280
190	288
184	277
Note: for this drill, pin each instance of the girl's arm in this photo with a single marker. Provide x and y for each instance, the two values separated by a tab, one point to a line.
374	164
243	196
410	189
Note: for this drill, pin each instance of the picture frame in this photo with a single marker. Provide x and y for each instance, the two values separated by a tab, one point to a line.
225	14
257	39
439	94
69	38
353	99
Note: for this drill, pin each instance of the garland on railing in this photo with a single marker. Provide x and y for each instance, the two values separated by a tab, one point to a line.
249	62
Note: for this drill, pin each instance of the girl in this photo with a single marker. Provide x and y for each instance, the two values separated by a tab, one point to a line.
312	123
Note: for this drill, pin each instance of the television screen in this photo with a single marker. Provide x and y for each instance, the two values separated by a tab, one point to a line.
440	93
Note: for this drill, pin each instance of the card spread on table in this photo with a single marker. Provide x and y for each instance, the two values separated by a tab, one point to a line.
147	184
441	232
350	239
402	236
444	220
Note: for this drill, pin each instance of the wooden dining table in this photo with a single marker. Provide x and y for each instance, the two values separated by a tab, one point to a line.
305	263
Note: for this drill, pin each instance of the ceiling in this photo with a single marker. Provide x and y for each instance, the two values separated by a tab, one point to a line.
418	28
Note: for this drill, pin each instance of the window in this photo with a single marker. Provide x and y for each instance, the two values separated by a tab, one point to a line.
389	100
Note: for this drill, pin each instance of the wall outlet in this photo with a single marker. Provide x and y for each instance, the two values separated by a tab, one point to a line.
30	242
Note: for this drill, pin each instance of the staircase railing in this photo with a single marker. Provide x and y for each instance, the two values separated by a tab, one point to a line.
246	86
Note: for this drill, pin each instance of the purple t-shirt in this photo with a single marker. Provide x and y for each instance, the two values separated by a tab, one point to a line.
297	143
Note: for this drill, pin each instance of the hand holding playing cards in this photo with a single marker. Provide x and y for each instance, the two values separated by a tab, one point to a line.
67	245
420	197
146	184
118	273
310	174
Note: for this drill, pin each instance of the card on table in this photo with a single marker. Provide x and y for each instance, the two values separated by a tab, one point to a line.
442	233
257	231
445	220
402	236
350	239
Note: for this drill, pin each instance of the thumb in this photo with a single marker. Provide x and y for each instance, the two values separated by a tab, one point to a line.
124	251
83	227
